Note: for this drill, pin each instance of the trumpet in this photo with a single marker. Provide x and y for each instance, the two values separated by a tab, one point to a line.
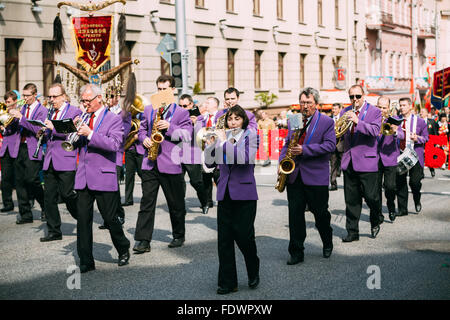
73	137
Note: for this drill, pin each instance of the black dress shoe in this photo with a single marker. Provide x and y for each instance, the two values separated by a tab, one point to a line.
176	243
22	221
253	284
221	290
205	209
402	213
350	238
418	207
51	238
374	231
392	216
210	204
103	227
266	163
327	252
7	209
84	268
142	247
126	204
333	188
121	220
123	259
43	217
295	260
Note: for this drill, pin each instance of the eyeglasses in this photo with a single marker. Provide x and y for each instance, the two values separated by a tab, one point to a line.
26	95
308	103
54	97
357	96
87	101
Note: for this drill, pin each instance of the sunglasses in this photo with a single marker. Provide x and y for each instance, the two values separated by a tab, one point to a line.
357	96
54	97
184	105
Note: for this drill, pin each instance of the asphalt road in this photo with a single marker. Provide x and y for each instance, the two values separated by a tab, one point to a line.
410	258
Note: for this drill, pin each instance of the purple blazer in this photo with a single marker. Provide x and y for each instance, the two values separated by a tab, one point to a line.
362	147
319	143
237	174
170	150
251	117
126	122
62	160
422	133
388	149
11	139
97	157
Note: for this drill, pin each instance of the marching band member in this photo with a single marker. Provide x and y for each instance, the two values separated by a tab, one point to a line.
23	145
360	163
235	152
389	152
308	183
231	96
6	158
336	156
133	163
96	177
207	120
412	133
59	164
174	125
192	159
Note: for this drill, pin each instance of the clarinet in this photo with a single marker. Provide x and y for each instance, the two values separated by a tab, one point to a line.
49	116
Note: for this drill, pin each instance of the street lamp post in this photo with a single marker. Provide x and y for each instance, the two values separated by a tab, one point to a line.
180	18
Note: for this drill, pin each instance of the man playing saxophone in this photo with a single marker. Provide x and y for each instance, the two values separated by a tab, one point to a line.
171	125
308	183
59	164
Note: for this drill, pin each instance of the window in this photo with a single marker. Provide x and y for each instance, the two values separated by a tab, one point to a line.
201	71
231	74
230	5
302	70
256	8
280	9
165	67
319	12
301	16
281	69
12	63
48	57
125	55
258	55
200	3
321	58
336	13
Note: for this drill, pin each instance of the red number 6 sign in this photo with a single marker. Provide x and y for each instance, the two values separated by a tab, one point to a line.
435	156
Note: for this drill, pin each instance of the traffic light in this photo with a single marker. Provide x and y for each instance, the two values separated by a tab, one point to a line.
175	68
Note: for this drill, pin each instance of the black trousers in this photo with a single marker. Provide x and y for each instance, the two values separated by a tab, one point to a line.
59	183
172	186
28	183
196	179
389	183
415	182
235	223
316	197
8	177
208	179
120	210
359	185
335	167
107	205
133	164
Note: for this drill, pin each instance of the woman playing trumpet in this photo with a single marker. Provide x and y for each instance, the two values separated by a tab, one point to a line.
234	152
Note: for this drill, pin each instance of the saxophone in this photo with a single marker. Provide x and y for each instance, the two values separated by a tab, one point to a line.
156	136
287	165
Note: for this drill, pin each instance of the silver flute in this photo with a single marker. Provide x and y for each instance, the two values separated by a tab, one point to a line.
73	137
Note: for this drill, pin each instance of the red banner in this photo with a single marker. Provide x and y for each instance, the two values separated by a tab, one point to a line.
93	37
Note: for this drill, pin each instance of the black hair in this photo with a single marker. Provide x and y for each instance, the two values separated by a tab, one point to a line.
32	87
230	90
187	96
237	110
164	78
10	94
405	99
